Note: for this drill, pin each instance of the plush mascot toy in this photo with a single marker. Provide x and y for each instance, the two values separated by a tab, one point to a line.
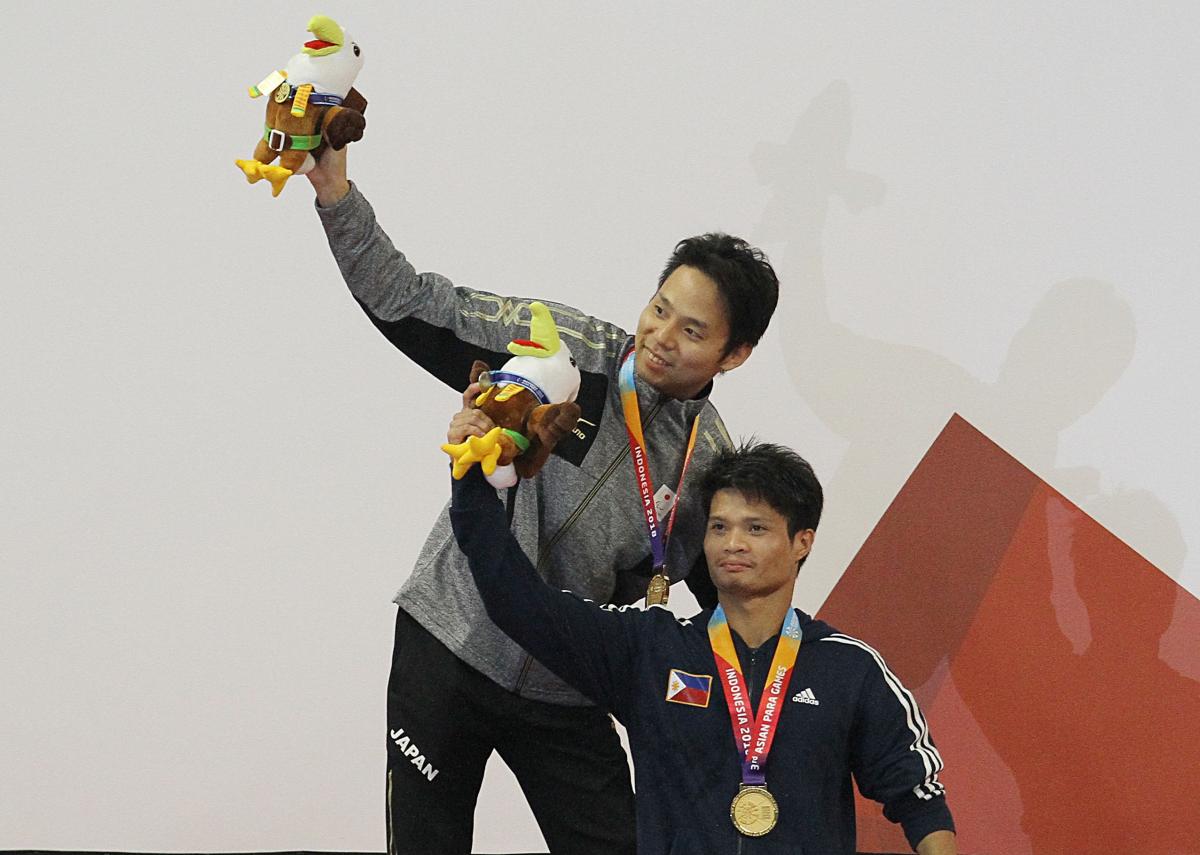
532	401
312	104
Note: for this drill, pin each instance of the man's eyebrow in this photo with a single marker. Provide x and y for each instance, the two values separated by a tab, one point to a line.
748	518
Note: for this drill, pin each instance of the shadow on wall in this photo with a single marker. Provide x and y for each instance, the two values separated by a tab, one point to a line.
888	400
1044	647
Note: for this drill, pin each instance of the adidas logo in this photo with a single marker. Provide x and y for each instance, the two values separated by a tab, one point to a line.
806	697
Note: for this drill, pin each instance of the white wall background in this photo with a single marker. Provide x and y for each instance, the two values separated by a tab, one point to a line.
215	472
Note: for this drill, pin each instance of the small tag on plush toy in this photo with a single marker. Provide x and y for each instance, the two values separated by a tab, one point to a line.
268	84
301	103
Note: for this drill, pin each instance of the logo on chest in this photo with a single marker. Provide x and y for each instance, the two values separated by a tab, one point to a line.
806	696
574	446
692	690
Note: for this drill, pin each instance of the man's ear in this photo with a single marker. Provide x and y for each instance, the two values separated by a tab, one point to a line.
736	357
802	543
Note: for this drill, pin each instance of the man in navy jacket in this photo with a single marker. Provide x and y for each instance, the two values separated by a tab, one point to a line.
745	723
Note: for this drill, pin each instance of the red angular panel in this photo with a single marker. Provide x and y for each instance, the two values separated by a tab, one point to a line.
1037	643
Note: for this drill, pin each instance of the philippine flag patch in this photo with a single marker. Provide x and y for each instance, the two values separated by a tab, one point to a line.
690	689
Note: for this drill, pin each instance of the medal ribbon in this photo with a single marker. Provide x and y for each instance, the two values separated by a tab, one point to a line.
641	462
500	378
754	735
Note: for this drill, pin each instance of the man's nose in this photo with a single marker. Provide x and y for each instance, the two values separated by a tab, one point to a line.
668	336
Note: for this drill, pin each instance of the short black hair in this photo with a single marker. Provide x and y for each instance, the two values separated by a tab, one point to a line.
769	473
743	275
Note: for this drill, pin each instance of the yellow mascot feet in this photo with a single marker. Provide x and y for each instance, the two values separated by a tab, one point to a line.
484	450
250	169
277	175
255	171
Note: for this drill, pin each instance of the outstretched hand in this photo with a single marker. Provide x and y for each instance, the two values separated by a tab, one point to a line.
328	177
470	420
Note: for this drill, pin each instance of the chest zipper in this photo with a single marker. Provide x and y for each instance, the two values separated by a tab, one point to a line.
544	552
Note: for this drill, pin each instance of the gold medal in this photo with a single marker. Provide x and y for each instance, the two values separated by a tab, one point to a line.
753	811
283	92
658	590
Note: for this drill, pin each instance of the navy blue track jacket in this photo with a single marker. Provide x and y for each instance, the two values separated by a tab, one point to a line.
846	713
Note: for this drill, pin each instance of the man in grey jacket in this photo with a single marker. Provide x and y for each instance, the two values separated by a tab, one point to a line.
459	687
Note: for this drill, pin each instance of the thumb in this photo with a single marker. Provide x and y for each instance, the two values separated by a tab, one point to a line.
472	392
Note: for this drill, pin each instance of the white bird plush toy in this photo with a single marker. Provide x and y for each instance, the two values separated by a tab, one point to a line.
313	103
532	401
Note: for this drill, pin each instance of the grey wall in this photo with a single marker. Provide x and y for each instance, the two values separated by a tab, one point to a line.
216	473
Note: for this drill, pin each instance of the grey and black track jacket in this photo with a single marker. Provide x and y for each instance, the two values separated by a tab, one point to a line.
579	520
846	713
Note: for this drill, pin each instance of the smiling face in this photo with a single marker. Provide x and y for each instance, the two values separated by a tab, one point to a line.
748	549
682	335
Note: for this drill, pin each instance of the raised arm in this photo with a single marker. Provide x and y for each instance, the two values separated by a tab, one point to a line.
441	327
590	647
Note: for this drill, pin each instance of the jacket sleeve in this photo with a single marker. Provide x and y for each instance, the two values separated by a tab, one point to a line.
590	647
441	327
893	756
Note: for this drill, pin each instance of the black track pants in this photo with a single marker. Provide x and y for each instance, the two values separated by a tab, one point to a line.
444	721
